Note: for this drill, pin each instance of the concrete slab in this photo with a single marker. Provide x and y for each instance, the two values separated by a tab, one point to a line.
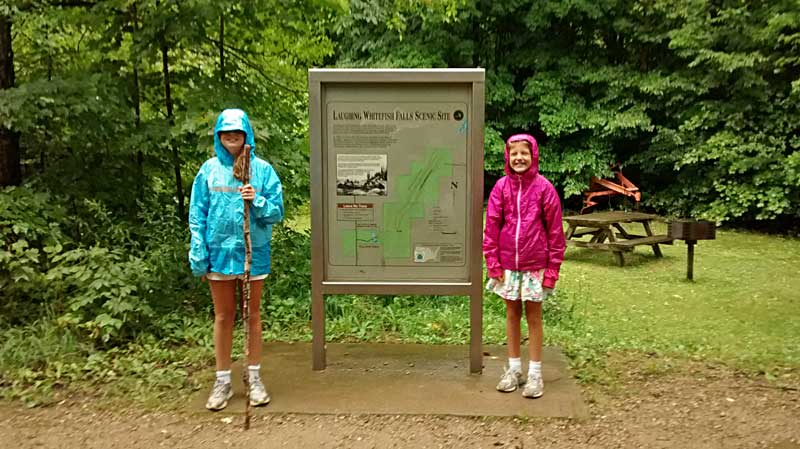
369	378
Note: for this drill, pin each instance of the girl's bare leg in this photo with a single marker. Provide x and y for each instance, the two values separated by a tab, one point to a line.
533	315
513	317
255	322
224	295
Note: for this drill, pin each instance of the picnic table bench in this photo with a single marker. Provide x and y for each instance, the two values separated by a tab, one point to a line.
599	225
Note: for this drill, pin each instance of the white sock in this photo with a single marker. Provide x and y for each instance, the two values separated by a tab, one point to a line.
515	364
253	372
535	368
224	376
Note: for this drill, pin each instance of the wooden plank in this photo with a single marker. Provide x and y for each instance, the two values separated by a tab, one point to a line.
613	239
652	240
610	234
570	231
583	232
630	236
601	246
600	237
608	218
622	231
656	249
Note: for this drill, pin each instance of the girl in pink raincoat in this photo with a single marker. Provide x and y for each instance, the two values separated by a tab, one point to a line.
524	245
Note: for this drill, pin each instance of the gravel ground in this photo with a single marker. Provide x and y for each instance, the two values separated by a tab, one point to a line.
697	407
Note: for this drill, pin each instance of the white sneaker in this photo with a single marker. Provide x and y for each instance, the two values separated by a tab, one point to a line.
258	393
511	379
534	387
220	394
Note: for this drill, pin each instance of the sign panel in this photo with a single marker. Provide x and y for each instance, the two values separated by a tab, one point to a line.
397	179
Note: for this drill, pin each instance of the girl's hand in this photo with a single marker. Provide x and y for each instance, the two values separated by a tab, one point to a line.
248	192
500	278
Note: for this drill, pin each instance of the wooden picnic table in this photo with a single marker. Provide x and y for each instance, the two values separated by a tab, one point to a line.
601	226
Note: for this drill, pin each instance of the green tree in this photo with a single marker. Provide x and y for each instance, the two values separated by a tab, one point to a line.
113	103
696	99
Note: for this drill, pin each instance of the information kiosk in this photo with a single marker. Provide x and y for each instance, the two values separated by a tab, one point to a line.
396	188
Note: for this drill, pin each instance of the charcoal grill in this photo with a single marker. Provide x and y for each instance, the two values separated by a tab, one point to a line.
691	231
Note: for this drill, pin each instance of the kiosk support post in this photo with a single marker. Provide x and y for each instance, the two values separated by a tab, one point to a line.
318	328
475	333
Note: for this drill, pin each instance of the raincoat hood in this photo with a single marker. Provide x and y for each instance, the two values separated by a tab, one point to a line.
234	120
534	168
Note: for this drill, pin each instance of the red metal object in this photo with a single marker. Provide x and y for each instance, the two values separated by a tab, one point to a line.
604	187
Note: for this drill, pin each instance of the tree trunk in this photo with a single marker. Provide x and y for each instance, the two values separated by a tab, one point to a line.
137	102
476	35
176	160
42	163
10	168
222	49
137	124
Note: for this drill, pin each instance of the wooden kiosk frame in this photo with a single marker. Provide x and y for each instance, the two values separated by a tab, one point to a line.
319	80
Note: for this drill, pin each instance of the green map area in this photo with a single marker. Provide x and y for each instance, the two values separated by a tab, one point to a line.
418	190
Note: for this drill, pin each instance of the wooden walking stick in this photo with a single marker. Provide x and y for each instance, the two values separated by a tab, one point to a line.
248	257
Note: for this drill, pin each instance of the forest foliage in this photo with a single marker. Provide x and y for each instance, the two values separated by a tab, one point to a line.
106	111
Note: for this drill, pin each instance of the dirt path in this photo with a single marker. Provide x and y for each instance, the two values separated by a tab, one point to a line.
697	408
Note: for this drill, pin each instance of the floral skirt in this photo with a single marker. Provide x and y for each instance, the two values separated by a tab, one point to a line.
518	285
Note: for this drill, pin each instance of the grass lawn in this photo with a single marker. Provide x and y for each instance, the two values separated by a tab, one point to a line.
743	307
742	311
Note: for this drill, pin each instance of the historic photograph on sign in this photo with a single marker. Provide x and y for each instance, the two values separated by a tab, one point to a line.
361	174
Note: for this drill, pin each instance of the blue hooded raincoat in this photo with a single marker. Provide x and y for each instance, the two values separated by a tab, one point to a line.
216	211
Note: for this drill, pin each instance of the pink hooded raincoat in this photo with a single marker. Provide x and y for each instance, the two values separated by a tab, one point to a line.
523	222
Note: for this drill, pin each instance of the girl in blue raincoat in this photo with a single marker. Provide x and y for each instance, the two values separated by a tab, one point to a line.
216	218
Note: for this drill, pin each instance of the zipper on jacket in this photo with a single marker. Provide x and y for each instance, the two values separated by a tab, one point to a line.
519	220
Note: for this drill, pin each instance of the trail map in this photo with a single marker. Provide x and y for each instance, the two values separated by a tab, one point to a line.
401	181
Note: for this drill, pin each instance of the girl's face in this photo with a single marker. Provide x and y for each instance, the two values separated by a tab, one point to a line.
233	141
519	156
